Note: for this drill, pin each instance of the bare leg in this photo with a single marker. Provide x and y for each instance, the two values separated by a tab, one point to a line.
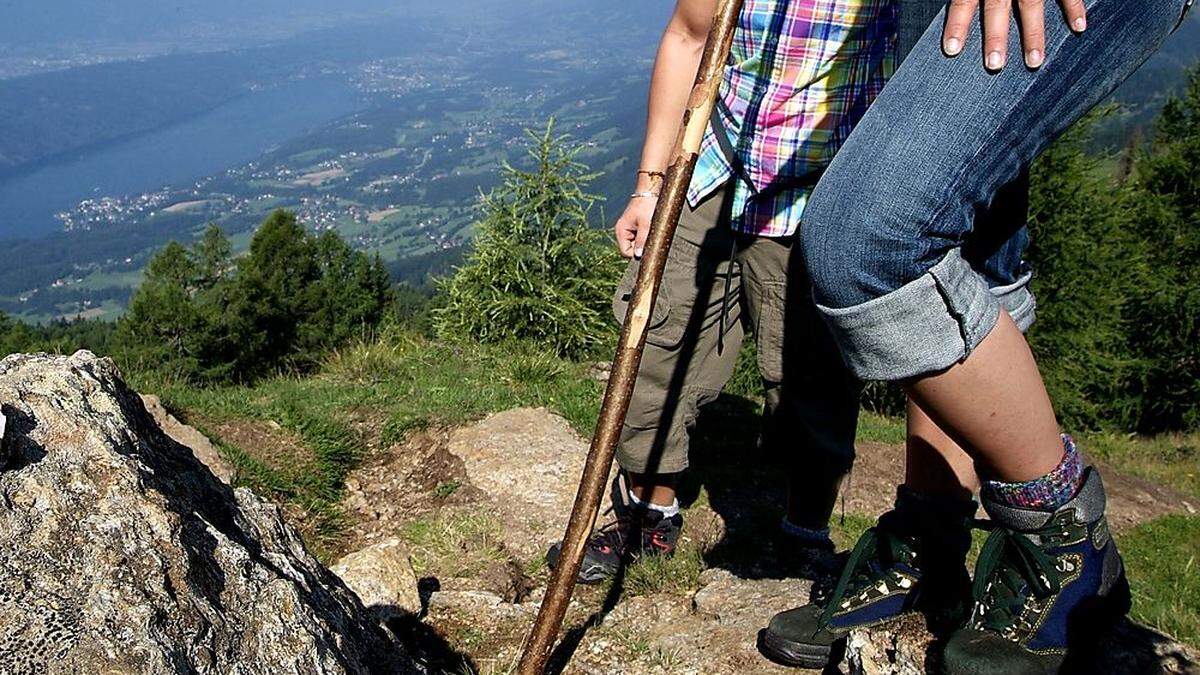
934	464
995	406
657	489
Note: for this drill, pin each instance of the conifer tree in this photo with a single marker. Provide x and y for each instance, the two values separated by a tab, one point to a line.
1165	314
538	271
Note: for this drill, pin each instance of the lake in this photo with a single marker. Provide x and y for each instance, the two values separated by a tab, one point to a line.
228	136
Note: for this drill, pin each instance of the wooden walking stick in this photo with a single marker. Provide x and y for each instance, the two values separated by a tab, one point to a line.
633	339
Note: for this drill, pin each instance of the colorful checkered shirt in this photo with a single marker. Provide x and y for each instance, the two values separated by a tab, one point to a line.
801	75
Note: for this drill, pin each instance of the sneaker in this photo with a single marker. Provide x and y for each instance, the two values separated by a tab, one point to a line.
634	532
1045	582
883	580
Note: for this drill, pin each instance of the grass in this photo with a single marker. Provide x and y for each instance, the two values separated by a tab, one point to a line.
1168	459
1162	559
454	545
372	394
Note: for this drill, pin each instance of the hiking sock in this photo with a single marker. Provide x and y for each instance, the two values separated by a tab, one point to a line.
1046	493
804	535
669	511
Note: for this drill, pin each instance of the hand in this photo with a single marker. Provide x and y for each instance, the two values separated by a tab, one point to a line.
634	225
997	15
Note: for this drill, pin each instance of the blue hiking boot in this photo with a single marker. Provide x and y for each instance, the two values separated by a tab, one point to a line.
913	561
1046	584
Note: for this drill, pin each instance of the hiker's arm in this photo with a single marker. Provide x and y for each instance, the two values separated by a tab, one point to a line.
675	67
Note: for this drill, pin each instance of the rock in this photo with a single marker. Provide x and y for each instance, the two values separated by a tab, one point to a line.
189	437
382	576
479	604
900	648
895	648
527	462
121	552
747	604
3	445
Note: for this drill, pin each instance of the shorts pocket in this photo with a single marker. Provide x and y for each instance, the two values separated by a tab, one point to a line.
676	295
769	332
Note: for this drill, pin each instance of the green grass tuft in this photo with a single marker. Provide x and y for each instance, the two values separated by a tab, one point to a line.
454	545
1162	559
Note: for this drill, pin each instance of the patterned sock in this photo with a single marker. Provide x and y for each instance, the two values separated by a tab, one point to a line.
805	534
1047	493
667	511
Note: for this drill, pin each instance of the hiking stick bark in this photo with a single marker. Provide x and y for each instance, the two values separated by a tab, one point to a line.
633	339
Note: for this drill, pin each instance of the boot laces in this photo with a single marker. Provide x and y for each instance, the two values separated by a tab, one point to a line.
1012	571
873	560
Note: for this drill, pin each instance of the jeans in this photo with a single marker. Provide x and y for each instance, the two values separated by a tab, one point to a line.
896	269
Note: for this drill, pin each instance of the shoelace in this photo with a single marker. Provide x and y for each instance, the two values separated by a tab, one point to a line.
612	534
877	550
1010	567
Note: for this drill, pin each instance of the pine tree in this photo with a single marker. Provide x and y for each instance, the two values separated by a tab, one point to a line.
1165	316
1084	262
538	271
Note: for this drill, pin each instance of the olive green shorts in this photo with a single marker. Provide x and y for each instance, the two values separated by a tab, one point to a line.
811	402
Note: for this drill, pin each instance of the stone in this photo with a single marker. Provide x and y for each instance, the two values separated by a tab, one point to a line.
121	553
527	462
901	648
747	605
382	576
189	437
3	446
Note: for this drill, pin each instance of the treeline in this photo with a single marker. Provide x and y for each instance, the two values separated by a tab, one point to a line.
1117	279
200	314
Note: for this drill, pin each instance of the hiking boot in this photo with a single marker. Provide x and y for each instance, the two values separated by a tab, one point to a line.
803	558
912	561
635	531
1045	583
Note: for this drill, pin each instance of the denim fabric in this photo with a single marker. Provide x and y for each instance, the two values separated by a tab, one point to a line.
892	266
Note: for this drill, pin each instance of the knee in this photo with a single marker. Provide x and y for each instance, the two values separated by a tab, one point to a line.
863	233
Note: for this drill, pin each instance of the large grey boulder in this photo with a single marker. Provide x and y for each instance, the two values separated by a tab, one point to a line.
121	553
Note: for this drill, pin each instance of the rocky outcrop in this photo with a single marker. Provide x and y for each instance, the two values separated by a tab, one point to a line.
528	461
382	576
190	438
121	552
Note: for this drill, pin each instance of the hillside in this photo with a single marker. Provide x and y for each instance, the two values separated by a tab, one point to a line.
472	490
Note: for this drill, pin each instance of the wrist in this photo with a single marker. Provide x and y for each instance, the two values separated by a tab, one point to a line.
649	181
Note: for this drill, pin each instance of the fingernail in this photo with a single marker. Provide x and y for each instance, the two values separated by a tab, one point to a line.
1080	24
953	46
995	60
1034	58
638	253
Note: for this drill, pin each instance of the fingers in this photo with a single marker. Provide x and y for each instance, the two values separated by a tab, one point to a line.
958	23
1033	31
639	243
997	16
1076	14
625	231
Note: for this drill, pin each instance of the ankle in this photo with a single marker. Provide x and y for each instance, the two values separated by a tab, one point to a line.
1045	493
669	510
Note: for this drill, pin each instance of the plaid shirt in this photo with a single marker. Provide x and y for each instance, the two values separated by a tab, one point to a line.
801	75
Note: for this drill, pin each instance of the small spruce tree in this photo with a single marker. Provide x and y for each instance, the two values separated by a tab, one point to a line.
538	271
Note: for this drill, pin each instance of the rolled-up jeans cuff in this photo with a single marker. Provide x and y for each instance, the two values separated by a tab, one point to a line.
924	326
